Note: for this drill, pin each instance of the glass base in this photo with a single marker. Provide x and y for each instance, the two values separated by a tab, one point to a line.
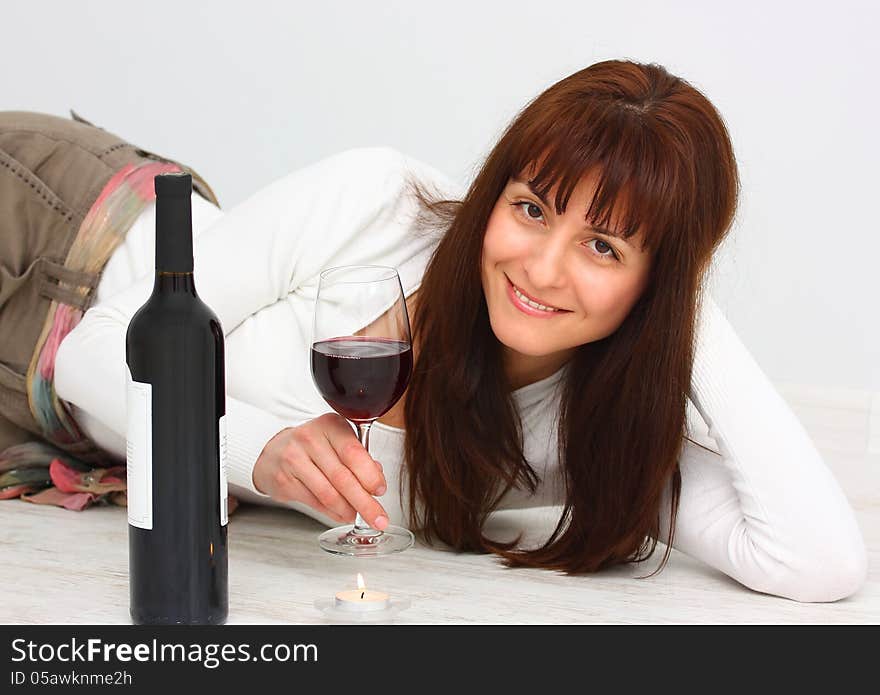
343	540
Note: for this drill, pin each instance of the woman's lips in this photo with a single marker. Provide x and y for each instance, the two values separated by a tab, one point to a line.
529	310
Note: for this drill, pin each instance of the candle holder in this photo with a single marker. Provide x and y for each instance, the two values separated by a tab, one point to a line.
332	611
361	605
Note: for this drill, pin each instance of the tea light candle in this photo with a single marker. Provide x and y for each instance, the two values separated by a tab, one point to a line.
361	599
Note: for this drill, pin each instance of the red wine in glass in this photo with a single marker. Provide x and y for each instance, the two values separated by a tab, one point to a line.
361	363
361	377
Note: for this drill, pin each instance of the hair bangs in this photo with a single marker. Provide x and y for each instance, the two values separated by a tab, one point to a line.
631	195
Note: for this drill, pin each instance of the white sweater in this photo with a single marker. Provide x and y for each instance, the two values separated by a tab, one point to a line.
765	510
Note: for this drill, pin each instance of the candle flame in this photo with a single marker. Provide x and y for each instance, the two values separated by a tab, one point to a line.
361	584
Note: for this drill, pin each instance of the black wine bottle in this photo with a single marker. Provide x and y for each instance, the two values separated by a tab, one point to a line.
176	436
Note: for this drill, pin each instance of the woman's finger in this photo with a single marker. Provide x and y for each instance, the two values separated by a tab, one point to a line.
304	468
342	480
293	490
351	452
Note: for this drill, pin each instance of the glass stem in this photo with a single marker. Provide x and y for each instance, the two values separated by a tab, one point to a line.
360	526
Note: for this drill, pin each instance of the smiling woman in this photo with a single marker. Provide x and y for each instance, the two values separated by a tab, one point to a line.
617	147
641	174
548	260
560	335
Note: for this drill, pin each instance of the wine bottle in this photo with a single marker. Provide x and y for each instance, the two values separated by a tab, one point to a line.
176	436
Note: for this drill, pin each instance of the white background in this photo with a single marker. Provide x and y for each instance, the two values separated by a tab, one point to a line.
246	91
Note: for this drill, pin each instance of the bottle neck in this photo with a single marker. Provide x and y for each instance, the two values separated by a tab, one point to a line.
174	283
174	242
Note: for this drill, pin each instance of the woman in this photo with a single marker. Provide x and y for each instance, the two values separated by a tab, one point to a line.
603	202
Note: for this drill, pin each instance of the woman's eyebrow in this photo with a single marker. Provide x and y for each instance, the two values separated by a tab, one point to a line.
601	230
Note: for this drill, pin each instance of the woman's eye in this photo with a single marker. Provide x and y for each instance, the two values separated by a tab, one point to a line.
602	249
530	210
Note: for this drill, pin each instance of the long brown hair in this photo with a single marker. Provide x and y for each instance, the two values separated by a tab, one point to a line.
664	157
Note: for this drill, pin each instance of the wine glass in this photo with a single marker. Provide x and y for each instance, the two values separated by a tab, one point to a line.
361	359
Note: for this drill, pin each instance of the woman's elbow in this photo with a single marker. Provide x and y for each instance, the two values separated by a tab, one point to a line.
838	574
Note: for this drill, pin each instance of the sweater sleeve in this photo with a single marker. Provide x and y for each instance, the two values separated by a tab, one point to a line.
764	509
348	208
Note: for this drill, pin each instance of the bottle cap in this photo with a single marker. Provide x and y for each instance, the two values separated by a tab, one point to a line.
176	184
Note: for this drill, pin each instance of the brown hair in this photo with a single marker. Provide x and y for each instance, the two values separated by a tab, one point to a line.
663	154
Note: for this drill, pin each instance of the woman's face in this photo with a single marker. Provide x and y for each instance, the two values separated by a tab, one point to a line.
594	279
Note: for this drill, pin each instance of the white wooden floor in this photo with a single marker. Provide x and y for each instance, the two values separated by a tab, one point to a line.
68	567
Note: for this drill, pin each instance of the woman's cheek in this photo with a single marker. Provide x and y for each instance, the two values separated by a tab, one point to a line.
492	247
507	241
596	296
613	305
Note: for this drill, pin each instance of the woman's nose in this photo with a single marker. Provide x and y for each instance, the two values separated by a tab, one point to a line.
545	265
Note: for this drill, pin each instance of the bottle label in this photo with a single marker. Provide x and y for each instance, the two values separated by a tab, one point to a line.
138	451
224	490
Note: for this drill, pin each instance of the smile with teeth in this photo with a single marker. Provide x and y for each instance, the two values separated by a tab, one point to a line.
533	304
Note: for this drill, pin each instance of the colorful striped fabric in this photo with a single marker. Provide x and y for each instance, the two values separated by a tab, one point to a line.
39	471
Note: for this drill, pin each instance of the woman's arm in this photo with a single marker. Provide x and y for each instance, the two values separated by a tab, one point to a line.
348	208
766	511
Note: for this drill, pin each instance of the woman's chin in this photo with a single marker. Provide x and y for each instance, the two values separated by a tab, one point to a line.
514	339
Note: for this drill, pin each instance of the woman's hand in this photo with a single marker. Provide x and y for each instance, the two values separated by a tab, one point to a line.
323	464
